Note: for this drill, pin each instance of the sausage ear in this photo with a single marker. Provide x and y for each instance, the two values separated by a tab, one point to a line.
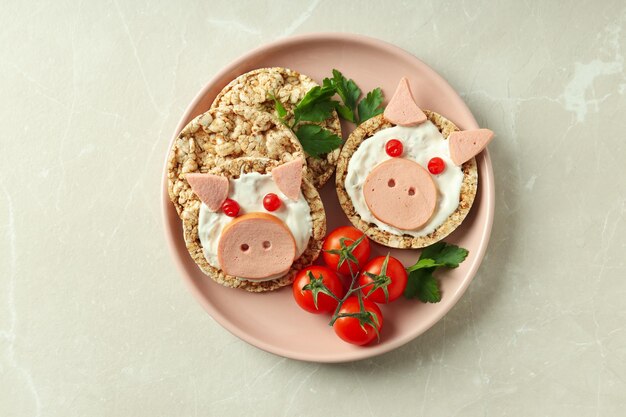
288	178
211	189
402	109
466	144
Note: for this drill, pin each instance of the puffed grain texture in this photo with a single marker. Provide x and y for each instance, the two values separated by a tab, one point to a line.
220	135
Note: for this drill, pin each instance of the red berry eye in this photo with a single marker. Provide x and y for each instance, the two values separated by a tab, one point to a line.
436	165
271	202
394	148
230	207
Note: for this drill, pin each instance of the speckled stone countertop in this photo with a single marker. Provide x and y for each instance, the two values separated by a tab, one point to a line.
94	320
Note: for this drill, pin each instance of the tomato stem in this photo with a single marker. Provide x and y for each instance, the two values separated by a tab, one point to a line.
351	290
379	281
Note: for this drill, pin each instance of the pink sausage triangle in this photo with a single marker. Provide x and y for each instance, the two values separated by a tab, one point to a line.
466	144
212	190
402	109
288	178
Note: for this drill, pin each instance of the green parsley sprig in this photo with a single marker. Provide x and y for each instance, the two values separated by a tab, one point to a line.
422	284
318	105
353	110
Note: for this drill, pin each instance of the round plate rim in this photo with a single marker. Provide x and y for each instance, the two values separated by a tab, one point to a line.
487	185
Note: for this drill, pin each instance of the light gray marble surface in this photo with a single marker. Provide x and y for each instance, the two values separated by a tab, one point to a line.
94	320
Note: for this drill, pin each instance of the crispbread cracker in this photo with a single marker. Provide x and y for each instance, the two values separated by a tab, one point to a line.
222	134
254	88
233	169
468	187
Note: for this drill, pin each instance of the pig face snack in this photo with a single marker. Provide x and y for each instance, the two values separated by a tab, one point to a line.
408	177
252	223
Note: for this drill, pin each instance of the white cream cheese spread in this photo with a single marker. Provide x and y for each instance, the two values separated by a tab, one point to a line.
421	143
248	191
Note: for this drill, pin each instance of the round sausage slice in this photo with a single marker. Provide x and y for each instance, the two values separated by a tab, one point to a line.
256	246
400	193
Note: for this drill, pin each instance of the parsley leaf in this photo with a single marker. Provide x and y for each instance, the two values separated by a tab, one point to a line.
347	89
349	93
430	252
315	113
451	256
317	141
352	110
370	106
443	254
423	263
316	105
345	113
421	283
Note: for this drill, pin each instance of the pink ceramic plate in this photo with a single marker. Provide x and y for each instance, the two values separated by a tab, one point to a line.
272	321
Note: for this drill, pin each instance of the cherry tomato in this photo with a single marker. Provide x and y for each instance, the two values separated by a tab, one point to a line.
271	202
333	242
436	165
304	297
353	330
394	148
396	274
230	207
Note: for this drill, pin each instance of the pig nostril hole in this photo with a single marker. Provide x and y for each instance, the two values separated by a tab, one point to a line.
267	244
411	191
391	183
245	247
